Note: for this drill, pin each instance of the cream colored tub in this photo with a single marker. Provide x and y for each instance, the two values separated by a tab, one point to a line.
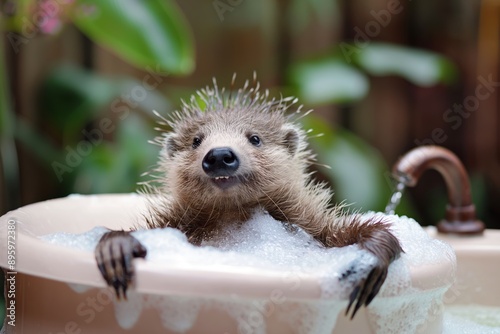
46	303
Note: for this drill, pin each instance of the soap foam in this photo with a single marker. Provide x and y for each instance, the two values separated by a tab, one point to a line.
260	243
471	319
398	300
177	313
264	244
84	241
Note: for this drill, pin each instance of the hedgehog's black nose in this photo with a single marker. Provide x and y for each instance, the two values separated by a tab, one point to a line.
220	161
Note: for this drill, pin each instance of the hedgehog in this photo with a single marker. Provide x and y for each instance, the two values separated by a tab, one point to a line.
228	154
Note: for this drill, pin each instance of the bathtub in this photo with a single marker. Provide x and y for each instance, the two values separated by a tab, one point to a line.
60	290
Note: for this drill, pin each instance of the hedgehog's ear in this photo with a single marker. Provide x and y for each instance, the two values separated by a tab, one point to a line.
291	140
170	144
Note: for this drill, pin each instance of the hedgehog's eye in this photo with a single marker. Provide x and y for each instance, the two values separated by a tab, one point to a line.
196	142
254	140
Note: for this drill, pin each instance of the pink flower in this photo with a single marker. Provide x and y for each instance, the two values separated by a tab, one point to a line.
49	15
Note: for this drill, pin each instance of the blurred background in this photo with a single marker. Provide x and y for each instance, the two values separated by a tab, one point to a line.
79	80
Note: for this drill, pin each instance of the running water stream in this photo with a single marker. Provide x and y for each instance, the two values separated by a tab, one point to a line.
395	198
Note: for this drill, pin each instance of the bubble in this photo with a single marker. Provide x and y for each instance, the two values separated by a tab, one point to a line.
264	245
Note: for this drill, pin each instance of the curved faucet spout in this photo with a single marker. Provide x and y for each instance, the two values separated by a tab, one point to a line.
460	212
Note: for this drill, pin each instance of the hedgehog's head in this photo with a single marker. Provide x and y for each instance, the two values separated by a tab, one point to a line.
237	149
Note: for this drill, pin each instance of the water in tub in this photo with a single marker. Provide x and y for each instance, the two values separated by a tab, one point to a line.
264	244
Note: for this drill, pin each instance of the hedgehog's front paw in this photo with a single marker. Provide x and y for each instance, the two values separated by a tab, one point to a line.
114	254
367	287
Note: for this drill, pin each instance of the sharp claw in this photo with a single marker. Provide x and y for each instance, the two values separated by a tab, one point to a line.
352	298
124	291
359	303
114	255
100	261
375	289
111	257
366	290
125	268
369	285
102	268
139	250
117	289
126	262
370	298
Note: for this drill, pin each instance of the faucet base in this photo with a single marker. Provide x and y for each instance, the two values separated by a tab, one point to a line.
461	220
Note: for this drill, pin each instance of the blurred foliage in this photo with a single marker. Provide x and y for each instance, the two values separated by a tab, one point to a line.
356	169
337	77
119	153
87	94
420	67
117	166
359	174
327	80
148	34
151	35
300	13
8	154
73	99
70	97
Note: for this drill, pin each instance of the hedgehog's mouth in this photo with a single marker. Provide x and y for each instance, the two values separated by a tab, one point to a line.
225	182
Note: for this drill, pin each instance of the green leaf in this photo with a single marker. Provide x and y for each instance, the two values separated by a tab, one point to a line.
359	174
40	146
21	17
117	167
71	97
149	34
420	67
327	80
357	170
102	171
133	136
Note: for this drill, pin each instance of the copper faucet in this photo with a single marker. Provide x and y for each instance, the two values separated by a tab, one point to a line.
460	215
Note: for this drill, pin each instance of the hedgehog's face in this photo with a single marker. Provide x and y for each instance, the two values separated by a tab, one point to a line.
231	157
